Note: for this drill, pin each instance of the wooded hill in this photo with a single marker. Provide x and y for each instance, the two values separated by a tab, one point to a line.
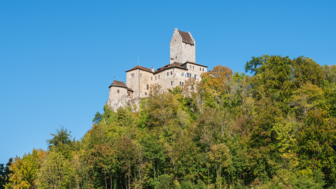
272	128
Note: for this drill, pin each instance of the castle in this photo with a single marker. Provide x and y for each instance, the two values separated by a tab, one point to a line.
182	66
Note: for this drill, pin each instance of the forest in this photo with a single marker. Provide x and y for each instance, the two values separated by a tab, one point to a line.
273	126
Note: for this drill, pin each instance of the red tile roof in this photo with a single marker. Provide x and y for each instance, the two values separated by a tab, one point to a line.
116	83
140	68
169	66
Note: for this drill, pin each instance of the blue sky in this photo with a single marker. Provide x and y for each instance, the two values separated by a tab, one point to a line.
57	58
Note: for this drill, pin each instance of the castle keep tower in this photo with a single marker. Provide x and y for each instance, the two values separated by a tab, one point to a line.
182	47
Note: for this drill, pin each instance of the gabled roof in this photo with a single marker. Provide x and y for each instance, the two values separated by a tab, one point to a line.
186	38
140	68
169	66
116	83
194	64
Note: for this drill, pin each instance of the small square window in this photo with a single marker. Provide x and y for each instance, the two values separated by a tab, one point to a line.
132	74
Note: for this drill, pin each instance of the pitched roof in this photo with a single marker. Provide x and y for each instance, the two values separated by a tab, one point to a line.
116	83
186	38
169	66
141	68
194	63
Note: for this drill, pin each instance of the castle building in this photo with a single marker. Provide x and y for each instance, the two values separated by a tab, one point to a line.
182	66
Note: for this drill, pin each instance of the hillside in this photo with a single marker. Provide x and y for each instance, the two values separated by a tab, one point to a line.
273	127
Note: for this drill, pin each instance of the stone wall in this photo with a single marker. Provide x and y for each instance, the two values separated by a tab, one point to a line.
146	78
117	99
132	81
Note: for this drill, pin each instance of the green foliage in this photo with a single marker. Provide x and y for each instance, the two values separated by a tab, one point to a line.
273	129
98	117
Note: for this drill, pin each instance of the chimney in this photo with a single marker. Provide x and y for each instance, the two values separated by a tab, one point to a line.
153	69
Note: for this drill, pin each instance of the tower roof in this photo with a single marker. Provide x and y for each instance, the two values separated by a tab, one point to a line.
116	83
186	38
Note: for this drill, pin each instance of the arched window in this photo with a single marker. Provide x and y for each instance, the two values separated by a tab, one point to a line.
147	86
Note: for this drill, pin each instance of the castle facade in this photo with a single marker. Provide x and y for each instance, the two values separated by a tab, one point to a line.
182	67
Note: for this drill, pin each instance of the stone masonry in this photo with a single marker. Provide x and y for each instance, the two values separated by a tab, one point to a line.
182	67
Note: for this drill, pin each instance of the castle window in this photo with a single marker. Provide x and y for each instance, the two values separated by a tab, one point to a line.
203	69
193	67
147	86
132	74
146	93
167	73
190	66
171	82
182	74
159	76
155	78
171	73
117	91
140	75
151	78
200	69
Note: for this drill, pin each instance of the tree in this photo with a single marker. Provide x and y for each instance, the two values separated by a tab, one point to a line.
24	170
61	137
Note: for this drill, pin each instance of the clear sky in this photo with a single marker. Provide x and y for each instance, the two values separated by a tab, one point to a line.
58	57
